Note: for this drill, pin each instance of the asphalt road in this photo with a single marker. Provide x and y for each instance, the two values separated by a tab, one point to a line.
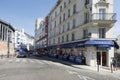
46	69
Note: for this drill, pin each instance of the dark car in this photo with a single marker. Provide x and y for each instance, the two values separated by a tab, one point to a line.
21	55
37	54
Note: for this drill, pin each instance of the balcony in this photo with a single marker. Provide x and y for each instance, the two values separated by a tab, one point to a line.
102	3
104	18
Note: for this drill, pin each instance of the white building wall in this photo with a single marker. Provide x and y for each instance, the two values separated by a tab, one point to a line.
91	56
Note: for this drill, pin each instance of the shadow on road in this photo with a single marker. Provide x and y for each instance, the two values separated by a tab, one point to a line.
55	60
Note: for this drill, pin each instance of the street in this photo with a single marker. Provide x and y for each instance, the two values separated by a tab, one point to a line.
45	69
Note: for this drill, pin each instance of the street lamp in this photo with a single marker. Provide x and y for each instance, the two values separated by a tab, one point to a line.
8	44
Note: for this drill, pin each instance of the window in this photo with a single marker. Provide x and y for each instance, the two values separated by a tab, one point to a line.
74	23
69	1
73	36
85	33
60	20
64	4
62	38
55	13
58	39
102	14
86	17
68	26
63	16
60	8
63	28
102	32
86	2
74	8
67	37
55	24
53	41
59	30
68	13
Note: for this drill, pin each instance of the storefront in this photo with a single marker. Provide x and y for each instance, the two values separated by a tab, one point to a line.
92	51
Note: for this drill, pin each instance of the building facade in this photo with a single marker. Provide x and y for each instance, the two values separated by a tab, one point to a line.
83	28
6	38
20	38
41	34
23	40
29	42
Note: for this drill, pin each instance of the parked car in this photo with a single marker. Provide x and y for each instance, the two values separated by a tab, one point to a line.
36	54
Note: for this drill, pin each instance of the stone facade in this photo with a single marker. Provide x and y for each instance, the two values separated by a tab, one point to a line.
4	48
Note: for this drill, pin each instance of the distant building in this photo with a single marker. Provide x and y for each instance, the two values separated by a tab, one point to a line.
6	38
29	42
41	34
23	40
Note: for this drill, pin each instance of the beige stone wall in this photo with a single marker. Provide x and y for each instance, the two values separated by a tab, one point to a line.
4	48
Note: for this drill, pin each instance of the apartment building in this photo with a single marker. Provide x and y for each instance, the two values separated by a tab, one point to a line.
20	38
23	40
6	38
83	27
41	34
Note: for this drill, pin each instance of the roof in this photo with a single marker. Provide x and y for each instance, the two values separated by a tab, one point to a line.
8	24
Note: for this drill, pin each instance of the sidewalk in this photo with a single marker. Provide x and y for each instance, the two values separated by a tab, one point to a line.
105	70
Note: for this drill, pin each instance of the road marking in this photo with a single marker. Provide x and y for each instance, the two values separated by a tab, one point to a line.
17	60
84	78
3	75
31	61
80	76
38	61
71	72
24	60
89	78
10	60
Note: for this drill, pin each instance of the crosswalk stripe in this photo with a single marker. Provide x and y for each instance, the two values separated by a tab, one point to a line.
31	61
39	61
17	60
10	60
24	60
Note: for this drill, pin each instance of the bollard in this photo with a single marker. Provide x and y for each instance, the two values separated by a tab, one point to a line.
98	65
111	68
98	68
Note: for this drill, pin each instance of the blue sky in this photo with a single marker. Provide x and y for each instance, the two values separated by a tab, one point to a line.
23	13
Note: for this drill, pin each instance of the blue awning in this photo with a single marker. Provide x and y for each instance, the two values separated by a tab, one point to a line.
100	43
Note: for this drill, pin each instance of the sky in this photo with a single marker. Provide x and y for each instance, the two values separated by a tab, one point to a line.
22	14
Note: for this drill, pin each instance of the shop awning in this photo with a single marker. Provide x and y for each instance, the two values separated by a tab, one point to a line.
100	43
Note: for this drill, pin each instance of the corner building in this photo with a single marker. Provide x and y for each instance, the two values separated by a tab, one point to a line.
83	28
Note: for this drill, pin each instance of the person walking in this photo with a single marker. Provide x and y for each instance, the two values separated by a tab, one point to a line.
114	63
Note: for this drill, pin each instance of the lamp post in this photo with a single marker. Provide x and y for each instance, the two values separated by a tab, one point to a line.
8	44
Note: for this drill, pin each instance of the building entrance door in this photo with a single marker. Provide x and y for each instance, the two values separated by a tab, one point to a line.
102	58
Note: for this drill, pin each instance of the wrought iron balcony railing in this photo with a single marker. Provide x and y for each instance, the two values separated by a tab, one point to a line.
104	16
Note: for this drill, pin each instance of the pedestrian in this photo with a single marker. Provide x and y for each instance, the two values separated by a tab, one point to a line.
114	63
